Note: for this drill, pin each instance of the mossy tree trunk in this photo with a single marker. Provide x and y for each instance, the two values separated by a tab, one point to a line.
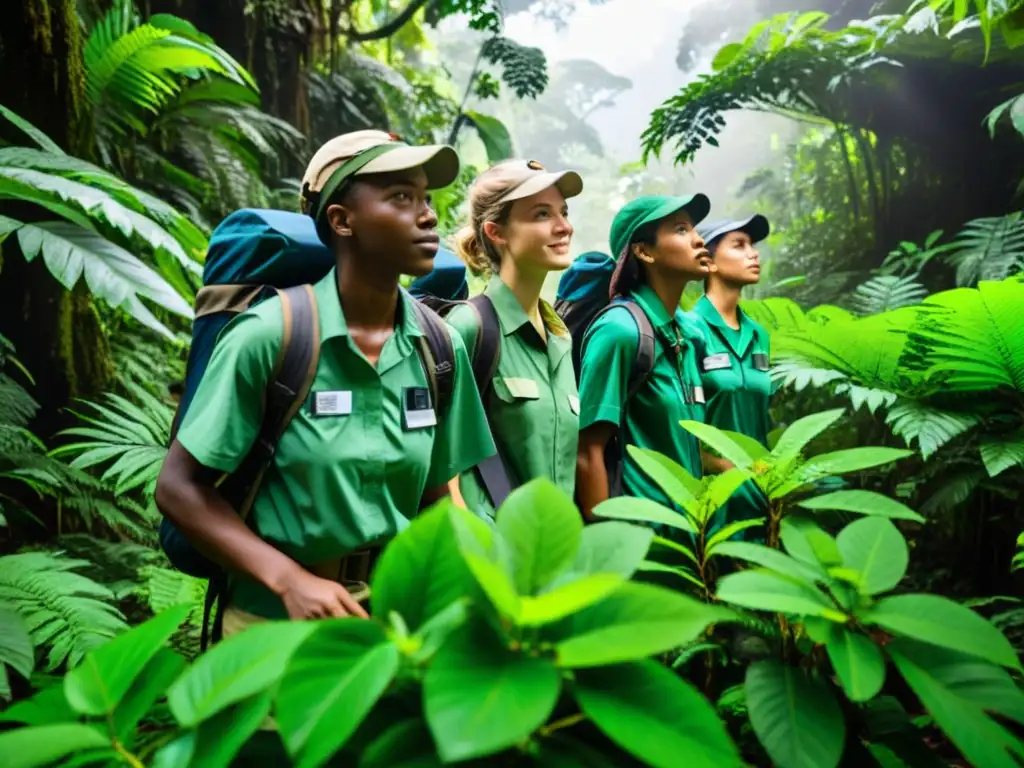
57	333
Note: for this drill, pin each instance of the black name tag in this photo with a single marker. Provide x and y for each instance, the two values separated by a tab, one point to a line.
760	361
717	362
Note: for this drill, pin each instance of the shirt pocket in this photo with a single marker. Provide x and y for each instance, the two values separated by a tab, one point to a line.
515	411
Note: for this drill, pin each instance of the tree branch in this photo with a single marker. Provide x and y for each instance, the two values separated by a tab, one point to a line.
391	27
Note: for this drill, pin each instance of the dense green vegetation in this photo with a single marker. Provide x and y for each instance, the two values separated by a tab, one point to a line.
880	626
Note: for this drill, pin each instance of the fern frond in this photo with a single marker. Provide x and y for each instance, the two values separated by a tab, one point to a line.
987	249
1000	452
952	492
524	69
134	439
970	339
931	427
884	292
62	610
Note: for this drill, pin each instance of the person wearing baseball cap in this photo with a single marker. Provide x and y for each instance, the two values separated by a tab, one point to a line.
517	234
733	356
658	251
367	450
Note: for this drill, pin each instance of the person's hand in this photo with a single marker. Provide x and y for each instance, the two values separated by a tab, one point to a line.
306	596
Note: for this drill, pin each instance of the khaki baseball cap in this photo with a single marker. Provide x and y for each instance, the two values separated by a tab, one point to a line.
523	178
364	152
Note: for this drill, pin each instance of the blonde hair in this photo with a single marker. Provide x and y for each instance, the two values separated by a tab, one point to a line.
477	250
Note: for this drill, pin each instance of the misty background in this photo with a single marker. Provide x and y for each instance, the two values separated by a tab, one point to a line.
611	64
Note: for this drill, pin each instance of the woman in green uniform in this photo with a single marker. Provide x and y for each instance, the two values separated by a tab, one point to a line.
658	251
518	233
733	354
346	477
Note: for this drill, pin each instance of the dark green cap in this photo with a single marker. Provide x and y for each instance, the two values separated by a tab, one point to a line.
644	210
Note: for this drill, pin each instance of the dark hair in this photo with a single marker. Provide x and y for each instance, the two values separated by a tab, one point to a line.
630	274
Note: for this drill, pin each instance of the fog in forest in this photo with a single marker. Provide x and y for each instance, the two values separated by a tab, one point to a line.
613	63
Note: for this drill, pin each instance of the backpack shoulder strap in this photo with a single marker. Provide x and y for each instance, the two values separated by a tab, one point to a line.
437	355
643	365
487	352
287	388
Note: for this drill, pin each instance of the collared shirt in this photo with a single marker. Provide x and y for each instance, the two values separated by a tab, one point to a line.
671	394
340	481
533	402
734	370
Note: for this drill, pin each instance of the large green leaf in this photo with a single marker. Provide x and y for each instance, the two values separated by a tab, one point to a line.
16	648
802	431
45	744
656	716
769	591
96	686
636	621
111	273
486	555
1001	452
480	697
219	739
796	718
679	485
858	662
236	668
494	135
850	460
981	740
770	558
542	528
48	707
566	599
807	542
151	684
873	546
641	511
611	547
421	571
719	441
942	622
862	503
332	682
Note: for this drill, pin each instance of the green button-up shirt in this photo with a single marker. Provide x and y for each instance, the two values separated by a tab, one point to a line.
338	482
671	394
533	402
734	371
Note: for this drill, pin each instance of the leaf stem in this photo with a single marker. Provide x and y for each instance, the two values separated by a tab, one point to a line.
565	722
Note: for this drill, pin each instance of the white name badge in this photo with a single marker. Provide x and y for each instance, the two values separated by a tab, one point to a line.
698	394
717	362
332	403
574	404
418	411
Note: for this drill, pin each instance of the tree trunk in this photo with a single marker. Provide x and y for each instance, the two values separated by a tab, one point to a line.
56	332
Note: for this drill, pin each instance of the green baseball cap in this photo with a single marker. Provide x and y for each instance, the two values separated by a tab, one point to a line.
644	210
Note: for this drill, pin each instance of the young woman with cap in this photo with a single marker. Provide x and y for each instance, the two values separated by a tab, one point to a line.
345	479
518	233
733	353
658	251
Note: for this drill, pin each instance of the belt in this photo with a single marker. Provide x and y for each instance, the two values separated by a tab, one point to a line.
351	571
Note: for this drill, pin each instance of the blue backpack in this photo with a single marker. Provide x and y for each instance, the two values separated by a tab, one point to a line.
584	294
254	254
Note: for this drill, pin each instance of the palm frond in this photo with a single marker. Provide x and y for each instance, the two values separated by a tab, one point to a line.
62	610
952	492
